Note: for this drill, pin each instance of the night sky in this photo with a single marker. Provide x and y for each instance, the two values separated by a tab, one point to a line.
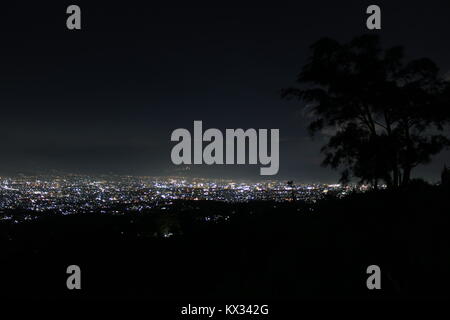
106	98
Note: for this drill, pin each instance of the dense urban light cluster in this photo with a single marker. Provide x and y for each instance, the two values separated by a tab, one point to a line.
117	194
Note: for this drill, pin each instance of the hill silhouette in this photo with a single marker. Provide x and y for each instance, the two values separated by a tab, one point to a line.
256	250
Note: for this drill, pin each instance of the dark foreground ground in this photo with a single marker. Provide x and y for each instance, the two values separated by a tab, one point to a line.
262	251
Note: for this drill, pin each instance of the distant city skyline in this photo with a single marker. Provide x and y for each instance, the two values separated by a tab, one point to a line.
120	195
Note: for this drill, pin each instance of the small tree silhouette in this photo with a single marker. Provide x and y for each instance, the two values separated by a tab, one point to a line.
290	183
445	177
386	116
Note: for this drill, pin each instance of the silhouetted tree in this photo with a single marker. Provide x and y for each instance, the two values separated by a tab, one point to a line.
290	183
445	177
386	116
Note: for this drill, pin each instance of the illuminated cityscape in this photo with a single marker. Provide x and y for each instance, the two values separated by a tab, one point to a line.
118	194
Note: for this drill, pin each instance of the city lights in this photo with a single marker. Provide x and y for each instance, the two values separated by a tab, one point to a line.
72	194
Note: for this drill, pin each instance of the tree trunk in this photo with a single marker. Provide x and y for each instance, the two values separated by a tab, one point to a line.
406	175
396	180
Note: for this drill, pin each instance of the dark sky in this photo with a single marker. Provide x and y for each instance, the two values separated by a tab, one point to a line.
106	98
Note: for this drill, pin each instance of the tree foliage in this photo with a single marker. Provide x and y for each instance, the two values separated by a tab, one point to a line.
387	115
